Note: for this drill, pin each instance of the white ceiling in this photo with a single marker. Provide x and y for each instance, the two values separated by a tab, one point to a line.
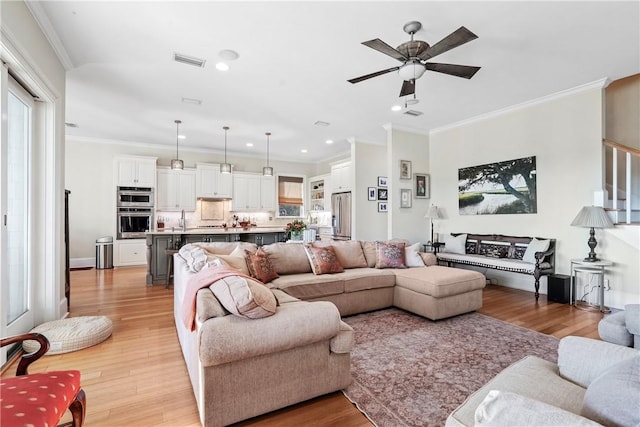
296	57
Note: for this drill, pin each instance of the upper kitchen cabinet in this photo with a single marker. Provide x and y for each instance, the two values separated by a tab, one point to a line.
341	177
135	171
176	190
253	192
211	184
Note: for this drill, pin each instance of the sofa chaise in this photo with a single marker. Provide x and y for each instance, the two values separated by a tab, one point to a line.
240	368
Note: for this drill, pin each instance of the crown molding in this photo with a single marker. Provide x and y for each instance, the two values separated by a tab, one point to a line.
598	84
50	33
403	128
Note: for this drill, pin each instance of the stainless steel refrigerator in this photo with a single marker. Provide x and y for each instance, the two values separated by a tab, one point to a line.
341	216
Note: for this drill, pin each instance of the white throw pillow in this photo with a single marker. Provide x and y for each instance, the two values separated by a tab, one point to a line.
455	245
195	257
412	256
535	246
244	297
505	409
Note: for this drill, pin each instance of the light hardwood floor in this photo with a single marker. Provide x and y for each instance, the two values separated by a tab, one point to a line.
137	377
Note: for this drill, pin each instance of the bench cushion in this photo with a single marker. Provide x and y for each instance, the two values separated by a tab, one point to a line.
506	264
440	281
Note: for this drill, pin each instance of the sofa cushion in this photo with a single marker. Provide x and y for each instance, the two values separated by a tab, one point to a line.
194	256
349	252
360	279
505	409
288	258
535	246
613	398
260	267
390	255
369	251
412	255
439	281
323	260
309	285
244	297
208	306
224	248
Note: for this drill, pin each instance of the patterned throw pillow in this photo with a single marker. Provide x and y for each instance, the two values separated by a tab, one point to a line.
323	260
390	255
260	266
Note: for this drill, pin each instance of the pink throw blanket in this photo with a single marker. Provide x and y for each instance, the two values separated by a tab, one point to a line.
202	279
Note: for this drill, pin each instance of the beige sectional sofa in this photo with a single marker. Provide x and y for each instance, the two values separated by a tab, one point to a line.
240	368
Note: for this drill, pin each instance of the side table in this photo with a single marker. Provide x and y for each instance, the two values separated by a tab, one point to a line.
437	246
593	267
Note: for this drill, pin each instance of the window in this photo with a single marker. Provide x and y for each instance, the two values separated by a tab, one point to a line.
290	196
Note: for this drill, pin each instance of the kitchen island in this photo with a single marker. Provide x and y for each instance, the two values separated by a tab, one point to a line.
159	241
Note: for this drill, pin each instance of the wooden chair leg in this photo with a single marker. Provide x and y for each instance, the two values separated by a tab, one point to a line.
78	409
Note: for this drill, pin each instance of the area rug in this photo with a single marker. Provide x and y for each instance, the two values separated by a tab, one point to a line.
411	371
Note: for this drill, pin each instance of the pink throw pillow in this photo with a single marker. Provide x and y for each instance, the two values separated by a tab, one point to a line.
323	260
390	255
260	266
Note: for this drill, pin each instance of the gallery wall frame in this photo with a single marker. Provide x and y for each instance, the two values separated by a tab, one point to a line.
382	181
405	197
422	185
405	169
372	193
382	207
383	194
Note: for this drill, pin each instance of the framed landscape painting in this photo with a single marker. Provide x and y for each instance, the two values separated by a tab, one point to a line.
507	187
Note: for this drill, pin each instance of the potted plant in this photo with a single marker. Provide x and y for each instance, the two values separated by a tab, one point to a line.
295	228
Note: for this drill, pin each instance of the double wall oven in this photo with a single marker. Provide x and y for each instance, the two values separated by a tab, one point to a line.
134	212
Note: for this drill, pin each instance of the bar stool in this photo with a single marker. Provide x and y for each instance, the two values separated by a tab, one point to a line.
169	253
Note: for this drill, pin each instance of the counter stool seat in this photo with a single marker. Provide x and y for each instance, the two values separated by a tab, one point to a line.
169	253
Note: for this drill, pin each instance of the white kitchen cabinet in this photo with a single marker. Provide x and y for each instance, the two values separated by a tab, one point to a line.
130	252
253	192
212	184
341	177
176	190
135	171
320	193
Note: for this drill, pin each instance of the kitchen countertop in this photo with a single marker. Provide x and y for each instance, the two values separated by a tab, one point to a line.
216	230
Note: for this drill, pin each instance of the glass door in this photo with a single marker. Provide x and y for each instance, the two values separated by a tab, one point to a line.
17	313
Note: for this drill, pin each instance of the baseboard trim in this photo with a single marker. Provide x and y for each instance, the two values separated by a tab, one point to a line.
82	262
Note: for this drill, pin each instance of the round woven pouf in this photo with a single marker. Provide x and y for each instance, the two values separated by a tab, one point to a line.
71	334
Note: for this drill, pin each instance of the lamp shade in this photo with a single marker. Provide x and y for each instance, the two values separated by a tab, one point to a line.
592	216
433	213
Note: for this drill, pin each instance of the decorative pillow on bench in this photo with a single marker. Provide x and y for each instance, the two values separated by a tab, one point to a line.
534	246
455	245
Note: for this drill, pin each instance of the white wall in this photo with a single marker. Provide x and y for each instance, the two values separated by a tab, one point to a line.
406	223
368	163
89	177
30	56
565	134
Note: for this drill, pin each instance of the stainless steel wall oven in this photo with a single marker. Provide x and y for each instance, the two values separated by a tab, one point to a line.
134	212
135	197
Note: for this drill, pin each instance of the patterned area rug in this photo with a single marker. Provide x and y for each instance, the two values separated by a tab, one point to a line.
411	371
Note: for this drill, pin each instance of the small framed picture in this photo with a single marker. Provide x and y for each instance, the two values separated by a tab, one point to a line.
372	193
382	207
421	182
405	198
383	194
382	181
405	169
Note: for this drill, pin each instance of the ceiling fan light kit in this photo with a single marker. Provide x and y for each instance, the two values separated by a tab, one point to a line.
177	164
414	55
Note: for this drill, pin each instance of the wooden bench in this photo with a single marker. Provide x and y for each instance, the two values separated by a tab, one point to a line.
505	253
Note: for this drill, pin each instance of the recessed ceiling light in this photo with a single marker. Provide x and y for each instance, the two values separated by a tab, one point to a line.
228	54
396	108
321	123
304	150
192	101
182	137
221	66
329	141
249	144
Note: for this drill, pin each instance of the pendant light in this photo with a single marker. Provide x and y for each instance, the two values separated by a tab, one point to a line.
267	170
177	163
225	167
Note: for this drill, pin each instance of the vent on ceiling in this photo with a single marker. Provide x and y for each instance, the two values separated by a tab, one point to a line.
71	125
189	60
321	123
413	113
192	101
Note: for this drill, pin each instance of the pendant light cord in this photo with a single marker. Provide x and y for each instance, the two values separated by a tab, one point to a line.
177	136
268	134
226	128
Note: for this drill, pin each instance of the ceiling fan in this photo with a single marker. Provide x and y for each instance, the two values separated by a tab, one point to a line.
414	55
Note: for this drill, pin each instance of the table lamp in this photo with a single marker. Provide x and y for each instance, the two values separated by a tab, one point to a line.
592	217
433	213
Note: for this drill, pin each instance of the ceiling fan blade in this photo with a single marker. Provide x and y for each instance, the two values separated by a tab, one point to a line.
465	71
455	39
376	74
381	46
408	88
